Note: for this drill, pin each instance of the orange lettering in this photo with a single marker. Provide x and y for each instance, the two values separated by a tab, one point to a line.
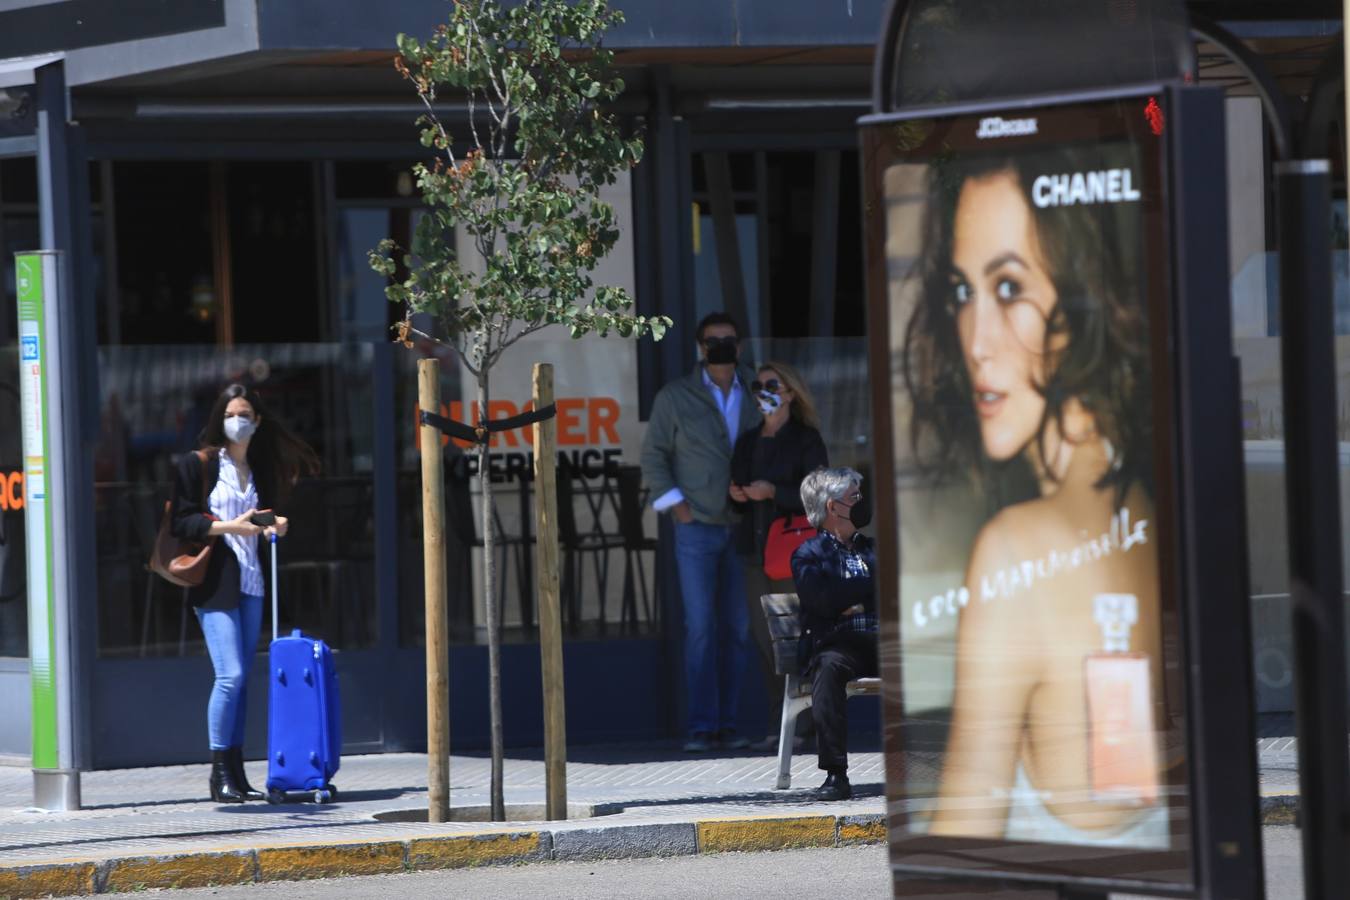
569	423
12	496
603	415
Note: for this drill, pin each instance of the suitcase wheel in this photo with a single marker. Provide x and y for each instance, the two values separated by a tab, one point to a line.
332	792
322	796
275	797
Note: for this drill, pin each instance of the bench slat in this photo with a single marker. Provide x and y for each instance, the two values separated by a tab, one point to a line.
780	604
783	627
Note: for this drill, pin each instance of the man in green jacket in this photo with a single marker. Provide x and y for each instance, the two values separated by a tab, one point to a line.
686	460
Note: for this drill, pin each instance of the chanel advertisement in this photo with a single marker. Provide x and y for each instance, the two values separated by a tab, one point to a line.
1033	613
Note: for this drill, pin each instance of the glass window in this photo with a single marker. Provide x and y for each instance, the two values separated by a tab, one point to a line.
155	401
18	232
608	567
166	281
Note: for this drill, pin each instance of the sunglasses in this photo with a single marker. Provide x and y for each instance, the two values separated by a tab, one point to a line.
715	341
773	386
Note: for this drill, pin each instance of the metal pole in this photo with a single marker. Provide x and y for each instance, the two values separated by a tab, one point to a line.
550	613
1223	767
437	616
1308	357
56	776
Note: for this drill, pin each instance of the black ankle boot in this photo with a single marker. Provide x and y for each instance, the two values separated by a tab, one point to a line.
223	788
235	757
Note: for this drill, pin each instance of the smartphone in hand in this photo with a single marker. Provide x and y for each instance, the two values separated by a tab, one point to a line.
264	518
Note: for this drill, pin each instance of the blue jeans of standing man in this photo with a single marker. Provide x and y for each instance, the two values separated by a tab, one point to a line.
231	641
716	626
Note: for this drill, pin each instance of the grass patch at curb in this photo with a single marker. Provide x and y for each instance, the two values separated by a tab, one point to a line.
766	834
329	861
477	850
60	880
184	871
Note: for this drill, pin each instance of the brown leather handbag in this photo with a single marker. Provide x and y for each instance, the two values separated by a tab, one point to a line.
179	562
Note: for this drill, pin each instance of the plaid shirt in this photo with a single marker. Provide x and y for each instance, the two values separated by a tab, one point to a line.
852	565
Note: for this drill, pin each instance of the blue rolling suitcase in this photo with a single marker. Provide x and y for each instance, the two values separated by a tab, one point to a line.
304	725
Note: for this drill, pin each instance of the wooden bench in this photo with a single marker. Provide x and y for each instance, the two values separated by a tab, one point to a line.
781	613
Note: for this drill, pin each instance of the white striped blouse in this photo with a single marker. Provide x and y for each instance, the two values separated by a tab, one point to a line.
229	501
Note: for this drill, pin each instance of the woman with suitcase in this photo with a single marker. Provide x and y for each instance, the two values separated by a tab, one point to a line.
247	462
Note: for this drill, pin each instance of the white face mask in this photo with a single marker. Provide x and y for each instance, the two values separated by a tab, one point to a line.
768	402
239	428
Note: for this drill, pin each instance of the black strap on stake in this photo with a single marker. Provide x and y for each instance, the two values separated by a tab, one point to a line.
481	433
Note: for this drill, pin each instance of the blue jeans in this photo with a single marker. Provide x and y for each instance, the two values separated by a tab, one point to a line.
231	640
716	626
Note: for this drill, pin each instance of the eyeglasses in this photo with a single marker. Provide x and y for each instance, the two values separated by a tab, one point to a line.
773	386
852	498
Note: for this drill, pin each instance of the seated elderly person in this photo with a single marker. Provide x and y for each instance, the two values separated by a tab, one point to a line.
834	572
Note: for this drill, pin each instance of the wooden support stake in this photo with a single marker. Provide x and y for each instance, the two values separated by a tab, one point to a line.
550	614
437	625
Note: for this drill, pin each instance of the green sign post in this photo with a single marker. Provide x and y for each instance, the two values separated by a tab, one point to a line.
56	783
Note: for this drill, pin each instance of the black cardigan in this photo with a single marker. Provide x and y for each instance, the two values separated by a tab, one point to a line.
790	455
192	522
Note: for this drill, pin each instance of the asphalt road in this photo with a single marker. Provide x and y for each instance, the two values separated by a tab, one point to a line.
845	872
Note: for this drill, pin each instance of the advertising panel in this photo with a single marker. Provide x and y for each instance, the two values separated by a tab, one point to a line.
1033	618
35	274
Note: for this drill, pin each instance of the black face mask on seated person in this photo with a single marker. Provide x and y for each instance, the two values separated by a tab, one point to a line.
860	514
721	351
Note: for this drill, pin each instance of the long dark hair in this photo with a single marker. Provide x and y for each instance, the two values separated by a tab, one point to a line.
277	455
1092	254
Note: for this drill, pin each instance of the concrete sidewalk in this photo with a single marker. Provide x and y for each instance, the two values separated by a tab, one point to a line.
145	828
155	827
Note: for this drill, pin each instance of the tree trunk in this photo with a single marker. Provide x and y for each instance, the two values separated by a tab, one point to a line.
493	612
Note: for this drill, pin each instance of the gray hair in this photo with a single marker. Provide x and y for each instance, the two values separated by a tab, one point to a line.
824	485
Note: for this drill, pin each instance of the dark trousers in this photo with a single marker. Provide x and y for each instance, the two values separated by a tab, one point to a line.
844	658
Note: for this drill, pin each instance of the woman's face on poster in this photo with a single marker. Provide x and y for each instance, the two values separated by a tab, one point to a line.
1002	297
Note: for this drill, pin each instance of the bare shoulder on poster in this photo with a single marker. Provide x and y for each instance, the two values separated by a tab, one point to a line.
1084	188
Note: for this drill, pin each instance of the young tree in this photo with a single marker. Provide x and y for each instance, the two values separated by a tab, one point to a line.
522	182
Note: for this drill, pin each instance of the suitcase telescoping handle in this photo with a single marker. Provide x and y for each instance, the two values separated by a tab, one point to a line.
274	585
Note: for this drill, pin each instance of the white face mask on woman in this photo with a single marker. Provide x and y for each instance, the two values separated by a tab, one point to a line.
239	428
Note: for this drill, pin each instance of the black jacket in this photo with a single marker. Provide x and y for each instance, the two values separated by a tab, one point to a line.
220	588
824	592
782	460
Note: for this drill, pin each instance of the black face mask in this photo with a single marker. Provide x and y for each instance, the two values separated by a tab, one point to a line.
721	351
860	513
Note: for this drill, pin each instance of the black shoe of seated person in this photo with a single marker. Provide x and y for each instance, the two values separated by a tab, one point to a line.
836	787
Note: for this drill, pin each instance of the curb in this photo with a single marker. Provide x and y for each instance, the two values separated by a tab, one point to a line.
210	868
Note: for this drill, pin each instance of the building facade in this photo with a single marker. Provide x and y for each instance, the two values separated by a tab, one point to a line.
232	163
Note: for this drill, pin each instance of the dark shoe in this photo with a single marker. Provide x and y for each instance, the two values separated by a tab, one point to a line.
235	757
223	788
836	787
699	742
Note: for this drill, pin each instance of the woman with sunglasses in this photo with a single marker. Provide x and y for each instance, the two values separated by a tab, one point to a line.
248	460
767	468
